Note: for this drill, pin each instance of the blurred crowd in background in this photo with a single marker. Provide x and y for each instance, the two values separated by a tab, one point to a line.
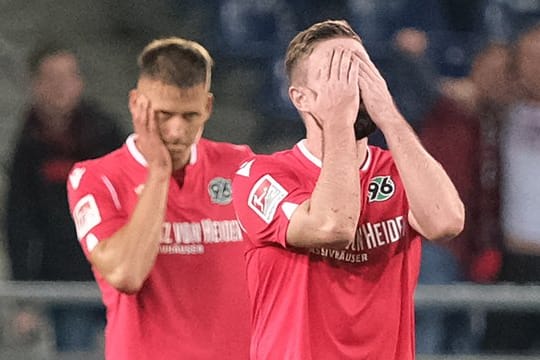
465	74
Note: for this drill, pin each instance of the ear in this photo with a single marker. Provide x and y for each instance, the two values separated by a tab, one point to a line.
132	101
301	98
210	104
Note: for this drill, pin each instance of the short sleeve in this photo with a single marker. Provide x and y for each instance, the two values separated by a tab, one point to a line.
265	194
94	204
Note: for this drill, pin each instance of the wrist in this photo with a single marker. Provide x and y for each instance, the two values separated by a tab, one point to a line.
158	174
389	121
338	126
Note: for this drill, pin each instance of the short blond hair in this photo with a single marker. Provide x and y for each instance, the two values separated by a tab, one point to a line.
176	61
303	43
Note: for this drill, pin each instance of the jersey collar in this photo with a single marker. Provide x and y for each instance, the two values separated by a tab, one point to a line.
138	156
304	151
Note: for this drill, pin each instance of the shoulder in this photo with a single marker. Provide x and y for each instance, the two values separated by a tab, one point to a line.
223	154
274	166
218	149
379	158
94	169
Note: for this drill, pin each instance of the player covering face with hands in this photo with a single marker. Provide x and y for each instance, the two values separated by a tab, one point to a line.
156	222
333	225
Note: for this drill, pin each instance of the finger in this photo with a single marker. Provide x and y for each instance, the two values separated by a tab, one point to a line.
364	57
354	68
135	113
145	105
367	71
362	54
151	118
322	66
364	81
334	64
345	65
140	114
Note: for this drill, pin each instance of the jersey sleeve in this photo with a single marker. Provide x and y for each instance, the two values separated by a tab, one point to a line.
94	204
265	195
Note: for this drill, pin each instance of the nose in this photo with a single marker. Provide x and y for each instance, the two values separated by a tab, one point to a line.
174	129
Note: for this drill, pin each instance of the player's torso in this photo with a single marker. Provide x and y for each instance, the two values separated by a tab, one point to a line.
383	229
196	284
342	290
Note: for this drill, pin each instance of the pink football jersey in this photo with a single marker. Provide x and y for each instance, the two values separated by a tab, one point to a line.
321	303
194	303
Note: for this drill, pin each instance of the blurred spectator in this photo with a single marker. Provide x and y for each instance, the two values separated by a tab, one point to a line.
412	79
58	129
520	152
254	29
462	132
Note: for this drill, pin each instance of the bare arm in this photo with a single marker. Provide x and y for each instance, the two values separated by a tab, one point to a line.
436	211
330	216
126	258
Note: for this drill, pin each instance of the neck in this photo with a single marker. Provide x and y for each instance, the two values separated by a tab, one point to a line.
315	147
180	161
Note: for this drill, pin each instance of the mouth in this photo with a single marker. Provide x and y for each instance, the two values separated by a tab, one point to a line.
174	148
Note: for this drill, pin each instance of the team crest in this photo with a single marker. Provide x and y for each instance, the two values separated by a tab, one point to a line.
381	188
220	191
265	197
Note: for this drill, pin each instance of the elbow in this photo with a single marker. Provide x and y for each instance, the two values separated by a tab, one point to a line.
124	282
449	227
337	236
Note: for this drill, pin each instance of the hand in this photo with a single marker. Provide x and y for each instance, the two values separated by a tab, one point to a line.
148	139
374	92
337	96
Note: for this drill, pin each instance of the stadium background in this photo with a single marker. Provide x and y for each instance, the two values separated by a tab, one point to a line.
246	39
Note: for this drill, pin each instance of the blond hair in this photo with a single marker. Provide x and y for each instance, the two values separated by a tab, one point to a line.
303	43
176	61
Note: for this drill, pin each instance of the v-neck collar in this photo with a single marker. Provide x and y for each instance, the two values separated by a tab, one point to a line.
303	150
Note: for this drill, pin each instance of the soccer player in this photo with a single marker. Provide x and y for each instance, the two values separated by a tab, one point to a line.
155	220
333	225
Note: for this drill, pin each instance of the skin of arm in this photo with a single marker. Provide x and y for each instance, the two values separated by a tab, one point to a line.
436	211
330	217
127	257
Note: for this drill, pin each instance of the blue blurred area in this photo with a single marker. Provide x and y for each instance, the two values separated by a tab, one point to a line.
248	40
256	33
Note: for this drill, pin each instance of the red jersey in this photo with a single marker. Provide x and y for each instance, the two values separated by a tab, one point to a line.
321	303
194	303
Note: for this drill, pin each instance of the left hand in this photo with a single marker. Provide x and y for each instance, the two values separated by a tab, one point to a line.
374	92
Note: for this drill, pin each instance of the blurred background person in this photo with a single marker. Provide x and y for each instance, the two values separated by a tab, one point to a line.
58	129
412	77
246	39
520	151
463	132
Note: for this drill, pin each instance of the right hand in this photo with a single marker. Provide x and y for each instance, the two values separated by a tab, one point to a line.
149	141
337	95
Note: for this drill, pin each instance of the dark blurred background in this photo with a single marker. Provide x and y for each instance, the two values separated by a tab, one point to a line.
458	92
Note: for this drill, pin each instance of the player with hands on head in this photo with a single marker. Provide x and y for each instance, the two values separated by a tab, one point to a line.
156	222
333	225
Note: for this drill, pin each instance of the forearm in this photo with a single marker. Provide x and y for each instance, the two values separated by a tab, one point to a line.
335	202
127	257
434	202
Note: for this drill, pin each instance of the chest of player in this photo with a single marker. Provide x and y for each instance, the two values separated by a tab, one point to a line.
383	229
199	212
196	196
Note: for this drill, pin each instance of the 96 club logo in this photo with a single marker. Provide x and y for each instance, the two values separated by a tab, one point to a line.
265	197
